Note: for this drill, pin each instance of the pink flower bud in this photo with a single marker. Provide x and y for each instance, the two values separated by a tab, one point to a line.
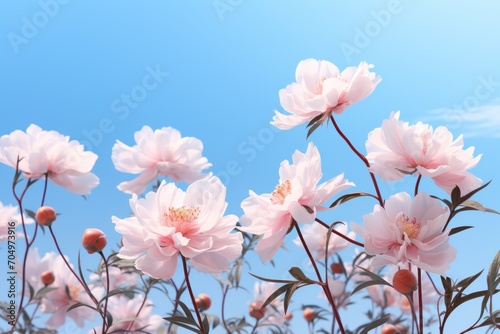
45	215
94	240
203	301
308	314
47	277
388	329
404	281
256	311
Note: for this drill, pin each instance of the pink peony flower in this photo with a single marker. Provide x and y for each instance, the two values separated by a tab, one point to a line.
8	215
118	278
67	290
320	90
315	236
274	312
170	222
408	230
270	215
159	152
397	149
124	309
50	153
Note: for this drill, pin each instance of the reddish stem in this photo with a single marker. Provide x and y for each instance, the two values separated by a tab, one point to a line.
325	287
362	157
193	300
357	243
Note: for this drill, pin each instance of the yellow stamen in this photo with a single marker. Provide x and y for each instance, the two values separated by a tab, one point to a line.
280	192
410	228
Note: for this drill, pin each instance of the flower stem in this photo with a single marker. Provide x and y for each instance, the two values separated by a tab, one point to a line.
362	157
420	301
417	184
325	287
188	284
105	310
85	286
29	243
176	301
345	237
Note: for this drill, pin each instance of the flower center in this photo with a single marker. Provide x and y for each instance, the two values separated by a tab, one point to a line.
181	218
280	192
410	227
74	292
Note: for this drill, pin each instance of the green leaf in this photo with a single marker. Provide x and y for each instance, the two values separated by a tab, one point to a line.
375	280
455	230
448	290
277	293
288	295
374	324
298	274
186	310
312	129
206	325
348	197
314	120
185	323
474	205
470	194
463	284
272	279
456	196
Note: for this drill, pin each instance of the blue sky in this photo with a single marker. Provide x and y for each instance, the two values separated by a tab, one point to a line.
217	66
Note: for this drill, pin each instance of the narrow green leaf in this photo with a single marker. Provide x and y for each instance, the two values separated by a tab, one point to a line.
312	129
470	194
184	323
288	295
186	310
477	206
298	274
374	324
348	197
277	293
272	280
463	284
455	230
314	120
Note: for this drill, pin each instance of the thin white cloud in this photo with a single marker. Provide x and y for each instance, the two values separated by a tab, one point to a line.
480	121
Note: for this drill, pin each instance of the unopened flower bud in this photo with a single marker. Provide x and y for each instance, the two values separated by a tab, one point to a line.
45	215
47	277
256	311
388	329
94	240
308	314
203	301
404	281
336	268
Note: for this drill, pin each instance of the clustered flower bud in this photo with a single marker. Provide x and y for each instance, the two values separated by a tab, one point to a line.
203	301
404	281
94	240
45	215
